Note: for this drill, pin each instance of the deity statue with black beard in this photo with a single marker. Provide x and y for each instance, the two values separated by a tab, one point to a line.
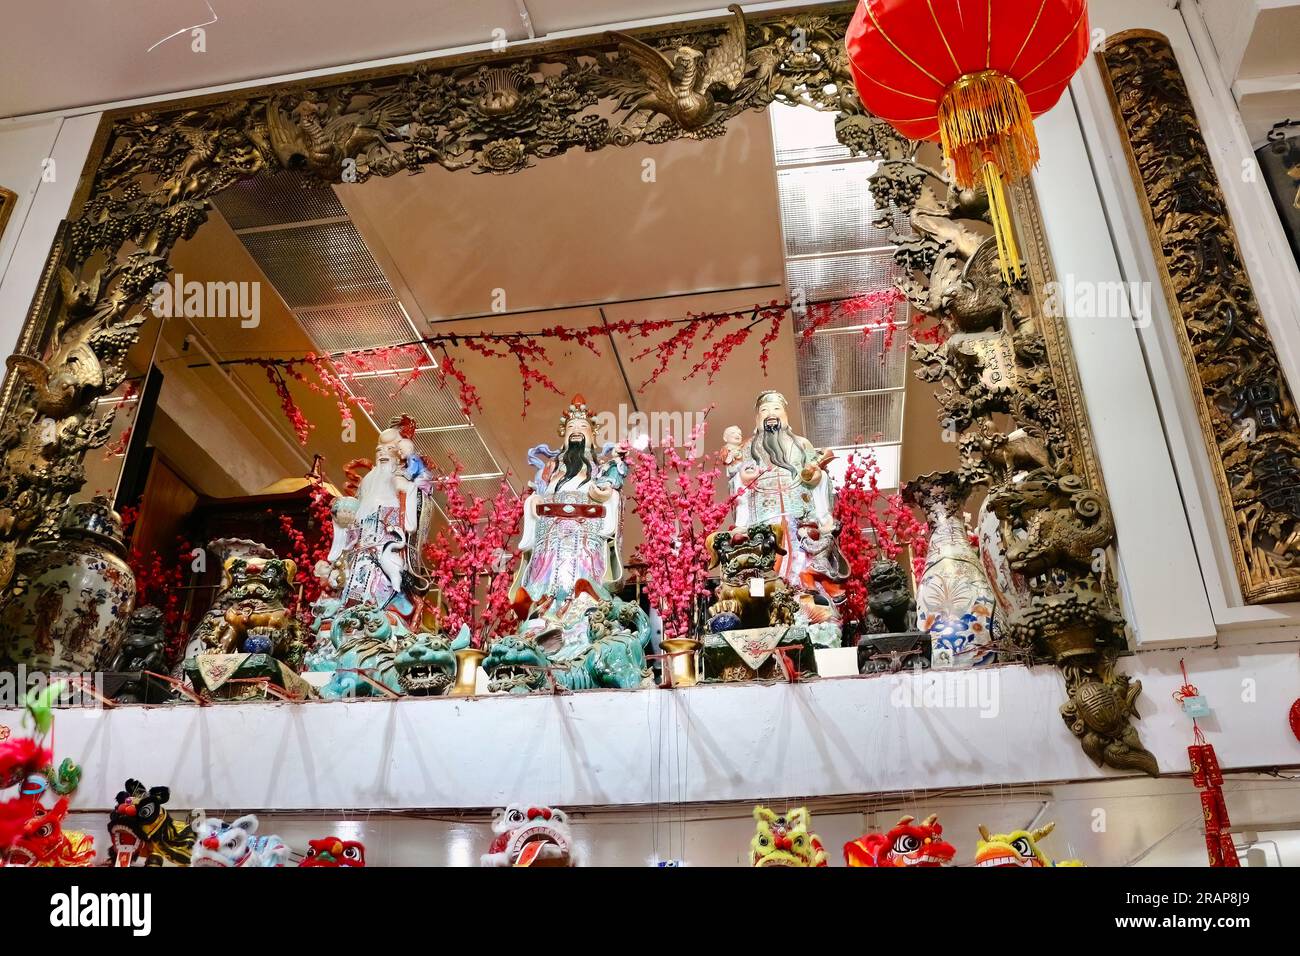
781	480
571	533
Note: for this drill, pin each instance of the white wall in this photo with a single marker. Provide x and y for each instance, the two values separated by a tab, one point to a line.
23	145
42	161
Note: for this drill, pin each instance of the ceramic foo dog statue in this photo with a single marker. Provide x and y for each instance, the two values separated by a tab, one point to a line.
755	611
249	635
618	634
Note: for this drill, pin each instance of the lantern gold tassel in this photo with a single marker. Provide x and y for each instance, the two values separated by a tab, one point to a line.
988	134
1003	224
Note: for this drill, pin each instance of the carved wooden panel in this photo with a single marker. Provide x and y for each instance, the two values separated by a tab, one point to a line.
1246	410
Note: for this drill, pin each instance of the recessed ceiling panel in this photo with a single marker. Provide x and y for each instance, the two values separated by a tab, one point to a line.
278	200
423	399
829	209
804	135
852	362
867	418
346	328
318	265
444	450
1274	47
842	277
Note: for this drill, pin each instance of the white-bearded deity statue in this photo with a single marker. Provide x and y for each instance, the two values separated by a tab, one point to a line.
375	554
571	533
781	480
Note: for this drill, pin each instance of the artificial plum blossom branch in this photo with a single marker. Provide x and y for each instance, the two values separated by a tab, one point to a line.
676	499
873	525
476	540
408	361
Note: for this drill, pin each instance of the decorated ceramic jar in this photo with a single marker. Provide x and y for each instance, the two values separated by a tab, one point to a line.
73	595
955	604
1010	588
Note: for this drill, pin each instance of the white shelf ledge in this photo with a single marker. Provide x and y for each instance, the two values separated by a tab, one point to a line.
737	742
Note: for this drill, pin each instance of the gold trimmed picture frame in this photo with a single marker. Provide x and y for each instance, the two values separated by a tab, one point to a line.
8	200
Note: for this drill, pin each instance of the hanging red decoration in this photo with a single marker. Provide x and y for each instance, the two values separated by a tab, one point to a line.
1295	719
971	74
160	580
676	499
1208	778
309	548
873	525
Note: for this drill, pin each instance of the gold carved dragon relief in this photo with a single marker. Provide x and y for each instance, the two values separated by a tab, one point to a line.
1001	365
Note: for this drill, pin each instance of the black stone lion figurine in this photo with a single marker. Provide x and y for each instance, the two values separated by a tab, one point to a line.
144	648
890	608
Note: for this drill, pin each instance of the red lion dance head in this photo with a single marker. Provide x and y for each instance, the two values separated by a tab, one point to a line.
44	842
331	851
907	844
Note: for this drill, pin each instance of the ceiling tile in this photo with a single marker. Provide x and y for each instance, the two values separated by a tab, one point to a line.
277	200
318	265
346	328
424	399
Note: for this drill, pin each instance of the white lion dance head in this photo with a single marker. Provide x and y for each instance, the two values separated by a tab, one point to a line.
222	844
530	836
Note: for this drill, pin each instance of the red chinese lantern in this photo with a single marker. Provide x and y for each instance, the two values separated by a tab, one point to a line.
971	74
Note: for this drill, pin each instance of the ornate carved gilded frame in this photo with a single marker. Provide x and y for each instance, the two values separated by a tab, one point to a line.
1246	411
152	172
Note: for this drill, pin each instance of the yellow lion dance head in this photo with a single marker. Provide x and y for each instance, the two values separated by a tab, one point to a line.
1017	848
785	840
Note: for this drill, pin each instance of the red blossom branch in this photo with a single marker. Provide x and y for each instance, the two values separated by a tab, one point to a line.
676	499
308	547
161	583
877	307
873	525
466	393
724	331
475	542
